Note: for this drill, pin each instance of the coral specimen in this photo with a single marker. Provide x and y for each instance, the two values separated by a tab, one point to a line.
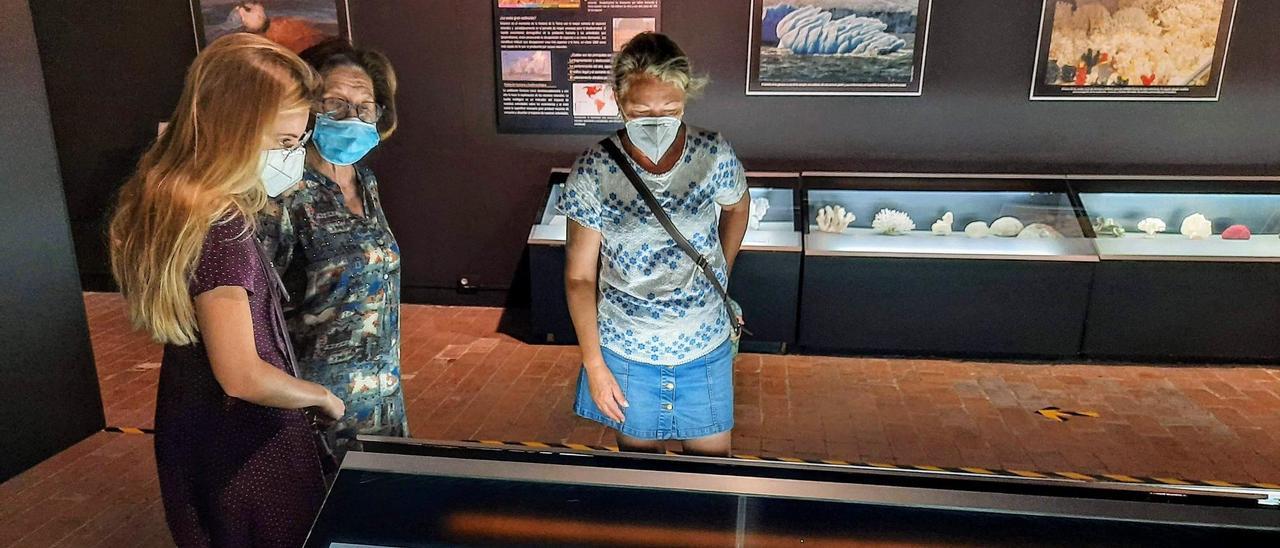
1237	232
892	222
834	219
942	227
977	229
1039	230
1006	227
1197	227
1151	226
759	207
1107	227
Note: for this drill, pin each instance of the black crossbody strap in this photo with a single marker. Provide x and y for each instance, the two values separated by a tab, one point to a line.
663	219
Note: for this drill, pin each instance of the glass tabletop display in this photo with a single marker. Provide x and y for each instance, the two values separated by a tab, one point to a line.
1184	219
944	216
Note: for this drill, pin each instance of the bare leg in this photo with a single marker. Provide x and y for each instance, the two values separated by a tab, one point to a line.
637	445
715	445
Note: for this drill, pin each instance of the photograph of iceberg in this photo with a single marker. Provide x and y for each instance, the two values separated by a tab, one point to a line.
837	47
1132	49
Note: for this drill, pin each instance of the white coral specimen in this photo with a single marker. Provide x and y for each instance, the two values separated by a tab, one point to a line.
977	229
759	207
1151	226
942	227
1006	227
892	222
1197	227
834	219
1039	230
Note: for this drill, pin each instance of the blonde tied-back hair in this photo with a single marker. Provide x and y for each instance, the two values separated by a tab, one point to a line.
204	168
658	56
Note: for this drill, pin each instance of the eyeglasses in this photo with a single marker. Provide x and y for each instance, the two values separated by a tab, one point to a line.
294	148
339	109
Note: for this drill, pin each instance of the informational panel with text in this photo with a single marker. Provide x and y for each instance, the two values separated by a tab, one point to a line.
555	57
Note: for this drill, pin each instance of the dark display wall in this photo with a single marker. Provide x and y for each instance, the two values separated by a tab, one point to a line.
461	196
46	365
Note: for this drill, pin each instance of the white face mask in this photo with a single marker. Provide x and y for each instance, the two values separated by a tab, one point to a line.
654	135
281	168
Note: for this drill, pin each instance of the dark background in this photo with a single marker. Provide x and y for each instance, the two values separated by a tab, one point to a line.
461	196
50	396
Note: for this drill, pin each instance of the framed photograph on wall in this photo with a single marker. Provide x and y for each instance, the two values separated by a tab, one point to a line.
837	47
294	24
1132	50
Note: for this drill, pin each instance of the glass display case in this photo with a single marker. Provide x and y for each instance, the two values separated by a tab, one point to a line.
944	264
774	224
550	227
1184	219
941	216
1189	270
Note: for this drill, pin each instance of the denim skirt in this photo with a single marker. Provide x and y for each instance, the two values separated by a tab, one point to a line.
680	402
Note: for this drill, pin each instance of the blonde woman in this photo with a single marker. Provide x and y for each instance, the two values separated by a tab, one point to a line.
653	329
238	462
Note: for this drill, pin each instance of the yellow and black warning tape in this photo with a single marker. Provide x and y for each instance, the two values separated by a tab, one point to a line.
1074	476
126	430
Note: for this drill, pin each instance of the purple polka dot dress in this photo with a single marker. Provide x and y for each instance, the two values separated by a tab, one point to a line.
233	473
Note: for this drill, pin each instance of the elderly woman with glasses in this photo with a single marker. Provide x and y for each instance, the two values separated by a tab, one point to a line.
329	239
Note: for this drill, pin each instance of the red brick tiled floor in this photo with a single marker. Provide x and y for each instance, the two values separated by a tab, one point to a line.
464	380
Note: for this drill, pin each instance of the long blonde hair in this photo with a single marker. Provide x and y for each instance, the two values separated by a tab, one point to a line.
202	169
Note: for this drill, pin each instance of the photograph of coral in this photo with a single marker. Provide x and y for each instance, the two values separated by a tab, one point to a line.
1135	50
294	24
837	47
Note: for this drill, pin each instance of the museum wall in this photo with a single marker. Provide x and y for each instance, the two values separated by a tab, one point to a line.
46	364
461	196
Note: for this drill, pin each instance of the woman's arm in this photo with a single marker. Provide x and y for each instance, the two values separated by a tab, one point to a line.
226	327
582	265
733	227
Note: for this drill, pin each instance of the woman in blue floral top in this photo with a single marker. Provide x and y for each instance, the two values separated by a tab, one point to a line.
329	238
654	334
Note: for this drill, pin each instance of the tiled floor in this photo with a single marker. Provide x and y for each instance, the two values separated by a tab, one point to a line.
464	380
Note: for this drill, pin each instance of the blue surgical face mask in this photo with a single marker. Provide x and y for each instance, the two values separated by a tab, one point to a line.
344	142
653	135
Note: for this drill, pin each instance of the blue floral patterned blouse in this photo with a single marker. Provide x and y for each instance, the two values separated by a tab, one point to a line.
655	305
343	276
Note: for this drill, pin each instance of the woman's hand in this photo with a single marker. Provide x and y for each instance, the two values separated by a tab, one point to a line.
333	406
606	393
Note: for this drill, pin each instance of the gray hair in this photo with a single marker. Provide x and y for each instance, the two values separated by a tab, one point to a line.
658	56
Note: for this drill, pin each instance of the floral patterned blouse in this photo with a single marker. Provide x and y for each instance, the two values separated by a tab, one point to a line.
655	305
343	275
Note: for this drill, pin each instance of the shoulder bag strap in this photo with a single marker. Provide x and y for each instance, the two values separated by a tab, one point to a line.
663	219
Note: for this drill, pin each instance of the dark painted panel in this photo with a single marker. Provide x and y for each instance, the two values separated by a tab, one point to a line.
944	306
1190	311
46	364
113	72
460	195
